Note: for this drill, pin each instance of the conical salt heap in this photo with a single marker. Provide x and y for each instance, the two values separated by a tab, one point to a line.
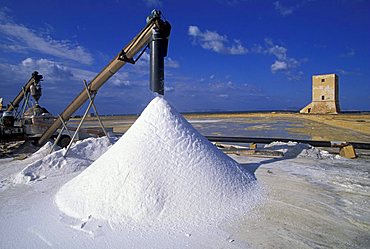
161	170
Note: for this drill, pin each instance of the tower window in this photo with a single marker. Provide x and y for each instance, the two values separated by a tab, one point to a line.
322	80
322	97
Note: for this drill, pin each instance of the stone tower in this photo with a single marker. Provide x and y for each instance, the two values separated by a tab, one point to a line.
324	95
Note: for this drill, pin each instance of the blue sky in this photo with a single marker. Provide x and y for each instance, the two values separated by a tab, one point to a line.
233	55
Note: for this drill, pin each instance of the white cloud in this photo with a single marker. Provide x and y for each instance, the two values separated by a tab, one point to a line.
356	72
278	51
194	31
168	89
171	63
128	91
218	43
279	65
55	73
122	93
283	62
294	75
62	83
50	69
4	13
237	48
283	10
19	38
212	40
121	79
350	52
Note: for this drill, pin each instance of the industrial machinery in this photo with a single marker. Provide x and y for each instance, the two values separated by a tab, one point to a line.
155	35
35	122
24	118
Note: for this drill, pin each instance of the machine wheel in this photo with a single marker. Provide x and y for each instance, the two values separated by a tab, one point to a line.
64	141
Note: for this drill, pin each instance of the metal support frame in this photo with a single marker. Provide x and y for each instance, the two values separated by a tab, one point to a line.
91	95
64	125
26	103
94	107
60	133
18	112
11	104
123	57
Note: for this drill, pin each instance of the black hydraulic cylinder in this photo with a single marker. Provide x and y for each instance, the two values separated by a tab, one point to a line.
158	50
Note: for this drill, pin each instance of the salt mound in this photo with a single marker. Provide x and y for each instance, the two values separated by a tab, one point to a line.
294	149
81	155
162	170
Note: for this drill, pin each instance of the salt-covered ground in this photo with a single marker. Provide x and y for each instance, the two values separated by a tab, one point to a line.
311	203
165	199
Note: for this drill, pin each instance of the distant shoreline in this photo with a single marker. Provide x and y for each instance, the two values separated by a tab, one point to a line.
236	113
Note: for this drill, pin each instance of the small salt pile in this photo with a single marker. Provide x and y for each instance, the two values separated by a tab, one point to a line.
162	171
45	165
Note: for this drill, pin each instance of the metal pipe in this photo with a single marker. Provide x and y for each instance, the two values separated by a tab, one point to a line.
156	63
158	50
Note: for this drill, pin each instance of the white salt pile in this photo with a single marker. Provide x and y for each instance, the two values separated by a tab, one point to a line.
163	172
294	149
81	155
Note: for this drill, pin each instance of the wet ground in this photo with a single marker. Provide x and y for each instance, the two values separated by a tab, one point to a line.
343	127
252	127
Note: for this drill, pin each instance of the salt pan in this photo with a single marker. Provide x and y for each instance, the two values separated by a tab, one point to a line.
162	171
